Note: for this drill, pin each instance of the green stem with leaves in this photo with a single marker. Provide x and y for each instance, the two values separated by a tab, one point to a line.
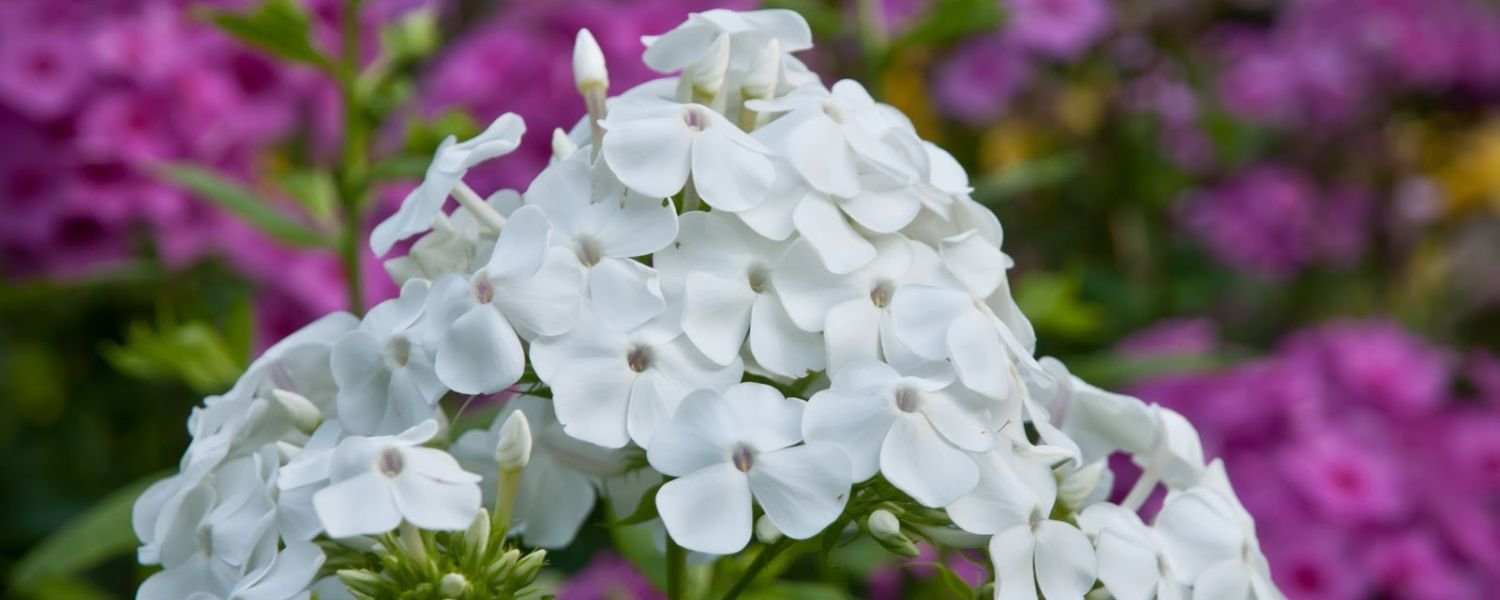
351	173
759	564
676	570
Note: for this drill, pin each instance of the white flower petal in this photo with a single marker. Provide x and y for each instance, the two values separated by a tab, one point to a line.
1010	490
802	489
639	227
979	355
778	345
593	408
553	503
920	315
1127	569
625	293
883	211
976	262
522	245
650	155
435	505
764	418
1197	530
1065	562
1013	553
708	510
961	425
481	353
855	423
1226	580
700	434
716	313
359	506
851	333
816	147
919	462
728	175
840	249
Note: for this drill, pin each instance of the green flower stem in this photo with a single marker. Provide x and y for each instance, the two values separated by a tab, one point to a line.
676	570
759	564
350	176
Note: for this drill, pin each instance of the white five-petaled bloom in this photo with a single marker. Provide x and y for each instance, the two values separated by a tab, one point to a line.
449	164
528	289
1132	563
605	235
384	369
377	482
917	429
684	46
272	574
722	270
612	386
558	487
727	449
1030	551
1210	540
833	137
654	146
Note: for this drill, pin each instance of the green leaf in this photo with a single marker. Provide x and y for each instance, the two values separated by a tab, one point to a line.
241	201
1032	175
192	353
646	510
796	590
280	27
314	190
1056	306
65	588
949	20
100	533
952	581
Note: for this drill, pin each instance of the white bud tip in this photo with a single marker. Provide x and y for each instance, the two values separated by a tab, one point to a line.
588	62
562	145
766	531
513	450
453	585
765	70
305	415
884	525
708	75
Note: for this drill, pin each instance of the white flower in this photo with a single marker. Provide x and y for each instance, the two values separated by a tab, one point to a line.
613	386
852	309
833	137
449	164
654	146
384	369
379	481
749	31
1012	501
558	487
1211	542
301	477
916	429
213	522
605	235
1100	422
1132	565
272	574
526	290
727	449
723	271
458	243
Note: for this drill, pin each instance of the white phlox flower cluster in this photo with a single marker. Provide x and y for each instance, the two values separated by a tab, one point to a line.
734	294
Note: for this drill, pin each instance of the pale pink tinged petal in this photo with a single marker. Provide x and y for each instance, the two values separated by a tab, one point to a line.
976	262
435	505
593	408
522	245
885	211
851	333
919	462
716	313
359	506
1065	562
778	345
840	249
700	434
640	227
1226	580
818	150
481	353
921	314
625	293
729	176
1013	553
766	420
855	423
802	489
548	303
958	424
979	355
708	510
650	155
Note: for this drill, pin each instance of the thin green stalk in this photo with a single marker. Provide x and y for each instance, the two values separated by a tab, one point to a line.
350	174
759	564
676	570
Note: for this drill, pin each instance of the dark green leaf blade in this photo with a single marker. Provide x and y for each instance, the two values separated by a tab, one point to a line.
241	201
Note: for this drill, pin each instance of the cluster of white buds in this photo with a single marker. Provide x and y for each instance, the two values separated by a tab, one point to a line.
731	288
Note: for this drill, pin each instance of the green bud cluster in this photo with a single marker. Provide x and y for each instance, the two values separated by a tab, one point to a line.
477	564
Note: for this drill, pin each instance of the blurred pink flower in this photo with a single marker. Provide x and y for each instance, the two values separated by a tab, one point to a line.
977	82
608	577
1059	29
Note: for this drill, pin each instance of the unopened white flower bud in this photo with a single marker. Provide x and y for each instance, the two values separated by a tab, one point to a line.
514	448
765	70
884	525
1076	486
562	145
707	77
305	415
478	534
411	540
589	71
453	585
529	566
766	531
287	451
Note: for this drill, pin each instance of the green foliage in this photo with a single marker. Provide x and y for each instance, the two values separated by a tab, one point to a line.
101	533
242	201
949	20
1056	307
281	27
193	353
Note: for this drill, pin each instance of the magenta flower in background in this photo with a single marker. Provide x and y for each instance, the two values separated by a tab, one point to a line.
977	82
608	577
1057	29
42	73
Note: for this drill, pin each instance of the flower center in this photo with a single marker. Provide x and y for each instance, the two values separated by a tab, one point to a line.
398	351
390	462
639	359
743	457
908	400
588	250
695	119
759	277
880	295
484	291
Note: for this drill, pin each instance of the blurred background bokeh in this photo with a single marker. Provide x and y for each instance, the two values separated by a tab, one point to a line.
1280	217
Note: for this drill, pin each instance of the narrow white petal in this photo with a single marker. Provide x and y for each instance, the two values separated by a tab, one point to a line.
522	245
855	423
979	354
921	314
976	262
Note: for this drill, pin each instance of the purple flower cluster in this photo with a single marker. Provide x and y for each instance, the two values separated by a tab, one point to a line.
1322	62
1369	472
1272	221
93	92
608	577
983	75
